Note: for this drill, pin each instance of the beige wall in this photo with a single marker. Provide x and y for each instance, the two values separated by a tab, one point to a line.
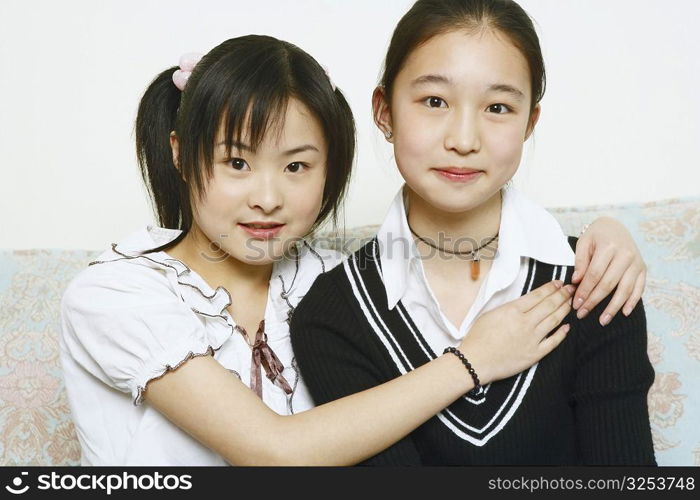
620	119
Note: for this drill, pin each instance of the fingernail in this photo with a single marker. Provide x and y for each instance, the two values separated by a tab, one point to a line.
578	302
605	320
582	313
558	284
571	289
567	328
626	311
574	277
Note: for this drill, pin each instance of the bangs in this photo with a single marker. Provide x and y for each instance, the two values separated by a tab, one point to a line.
243	98
245	125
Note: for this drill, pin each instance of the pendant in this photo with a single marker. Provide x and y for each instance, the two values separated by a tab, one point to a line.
476	268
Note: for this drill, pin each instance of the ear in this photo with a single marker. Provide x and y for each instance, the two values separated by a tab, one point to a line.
382	112
175	148
534	118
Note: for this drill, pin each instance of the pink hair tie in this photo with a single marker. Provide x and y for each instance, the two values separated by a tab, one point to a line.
187	63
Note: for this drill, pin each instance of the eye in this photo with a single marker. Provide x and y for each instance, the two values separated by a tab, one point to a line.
296	166
238	164
499	109
435	102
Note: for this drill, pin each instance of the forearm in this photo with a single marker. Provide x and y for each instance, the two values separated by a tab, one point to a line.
357	427
205	400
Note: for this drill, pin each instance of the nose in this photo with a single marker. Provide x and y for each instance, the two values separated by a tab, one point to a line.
265	194
462	133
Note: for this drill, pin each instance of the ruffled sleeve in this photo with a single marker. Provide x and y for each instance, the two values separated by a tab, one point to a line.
126	325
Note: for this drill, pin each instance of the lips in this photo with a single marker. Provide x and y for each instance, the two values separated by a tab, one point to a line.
261	225
261	230
458	174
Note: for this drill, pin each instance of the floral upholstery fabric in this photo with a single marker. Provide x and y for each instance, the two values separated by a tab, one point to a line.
35	423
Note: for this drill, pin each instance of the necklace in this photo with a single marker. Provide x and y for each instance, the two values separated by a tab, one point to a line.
474	254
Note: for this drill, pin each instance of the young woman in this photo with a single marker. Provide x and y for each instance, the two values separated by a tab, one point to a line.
459	95
175	342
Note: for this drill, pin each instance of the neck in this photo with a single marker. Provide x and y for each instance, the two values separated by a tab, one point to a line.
461	231
217	267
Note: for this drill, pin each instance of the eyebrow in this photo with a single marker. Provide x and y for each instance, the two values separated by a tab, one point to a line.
509	89
426	79
235	144
244	147
300	149
494	87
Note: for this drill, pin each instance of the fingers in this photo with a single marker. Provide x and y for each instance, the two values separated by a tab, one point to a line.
636	293
550	343
622	294
554	318
550	305
533	298
593	275
611	278
584	250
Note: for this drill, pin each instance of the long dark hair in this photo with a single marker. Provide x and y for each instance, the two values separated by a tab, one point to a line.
428	18
256	73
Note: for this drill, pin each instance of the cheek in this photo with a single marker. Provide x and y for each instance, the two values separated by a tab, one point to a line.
505	147
221	202
304	199
413	140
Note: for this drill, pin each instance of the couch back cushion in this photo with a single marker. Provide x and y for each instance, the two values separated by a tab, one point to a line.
35	423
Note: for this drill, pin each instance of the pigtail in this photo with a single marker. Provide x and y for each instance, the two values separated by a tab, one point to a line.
156	118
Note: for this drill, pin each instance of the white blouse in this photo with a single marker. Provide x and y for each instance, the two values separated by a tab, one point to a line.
526	231
128	319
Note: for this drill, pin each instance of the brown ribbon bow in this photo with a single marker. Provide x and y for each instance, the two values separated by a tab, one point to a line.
264	357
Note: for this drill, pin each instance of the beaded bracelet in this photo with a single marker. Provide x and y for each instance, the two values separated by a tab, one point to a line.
477	385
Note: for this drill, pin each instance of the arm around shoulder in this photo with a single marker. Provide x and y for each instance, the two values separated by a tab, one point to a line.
205	400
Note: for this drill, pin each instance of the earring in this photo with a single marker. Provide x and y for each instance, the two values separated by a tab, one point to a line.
388	134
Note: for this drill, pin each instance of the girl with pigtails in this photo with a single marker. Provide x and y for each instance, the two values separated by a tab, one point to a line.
175	342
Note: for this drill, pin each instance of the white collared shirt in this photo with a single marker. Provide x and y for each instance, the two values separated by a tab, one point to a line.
526	230
126	318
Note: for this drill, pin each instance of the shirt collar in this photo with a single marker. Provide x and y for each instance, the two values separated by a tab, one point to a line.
526	230
533	231
397	250
287	276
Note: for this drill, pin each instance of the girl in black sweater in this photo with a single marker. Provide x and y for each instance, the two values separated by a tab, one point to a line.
459	95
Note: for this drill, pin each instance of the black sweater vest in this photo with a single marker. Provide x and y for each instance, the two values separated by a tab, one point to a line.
585	403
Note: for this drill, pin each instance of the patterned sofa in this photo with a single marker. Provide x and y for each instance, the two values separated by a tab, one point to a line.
35	423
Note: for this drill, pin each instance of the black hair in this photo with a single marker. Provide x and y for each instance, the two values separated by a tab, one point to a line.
244	84
428	18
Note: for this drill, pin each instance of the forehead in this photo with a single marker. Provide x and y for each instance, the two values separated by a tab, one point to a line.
298	124
484	57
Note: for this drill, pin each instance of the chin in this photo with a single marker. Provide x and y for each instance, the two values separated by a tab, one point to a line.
260	253
266	261
456	207
452	202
